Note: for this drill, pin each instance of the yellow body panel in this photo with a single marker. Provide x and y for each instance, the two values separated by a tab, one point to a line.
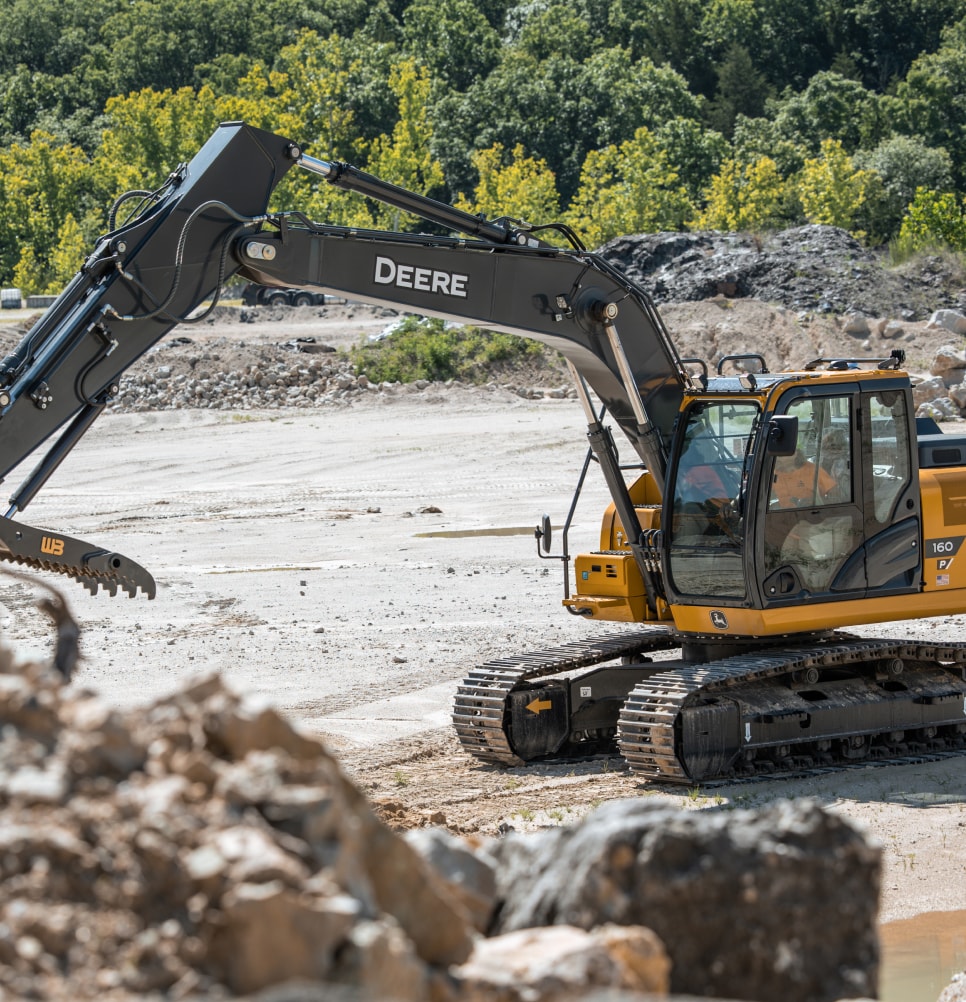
805	617
609	585
944	528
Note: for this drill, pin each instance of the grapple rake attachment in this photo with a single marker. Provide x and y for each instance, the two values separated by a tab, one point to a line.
93	566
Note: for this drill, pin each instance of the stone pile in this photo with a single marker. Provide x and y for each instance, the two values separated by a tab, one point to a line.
815	268
292	380
200	847
304	374
775	904
942	395
282	378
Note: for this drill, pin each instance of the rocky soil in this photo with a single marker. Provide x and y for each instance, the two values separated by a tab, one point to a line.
200	847
815	269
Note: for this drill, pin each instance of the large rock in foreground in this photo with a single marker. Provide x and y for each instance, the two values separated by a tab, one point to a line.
202	847
776	904
199	844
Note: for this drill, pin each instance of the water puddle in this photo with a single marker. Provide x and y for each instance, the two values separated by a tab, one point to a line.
920	955
513	530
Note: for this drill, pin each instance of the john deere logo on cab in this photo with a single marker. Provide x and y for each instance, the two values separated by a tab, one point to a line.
408	276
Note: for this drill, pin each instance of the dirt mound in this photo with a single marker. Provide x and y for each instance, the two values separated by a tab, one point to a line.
815	268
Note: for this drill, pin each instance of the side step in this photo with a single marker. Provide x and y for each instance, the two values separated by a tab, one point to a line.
91	565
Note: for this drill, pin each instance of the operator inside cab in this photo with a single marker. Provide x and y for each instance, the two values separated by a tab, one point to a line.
798	482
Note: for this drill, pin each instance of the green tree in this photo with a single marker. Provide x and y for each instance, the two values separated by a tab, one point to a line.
904	164
755	138
695	151
830	107
150	132
405	157
628	188
934	218
306	95
29	274
517	186
741	198
788	42
67	254
559	109
741	91
43	184
557	28
831	190
929	101
453	38
886	37
666	33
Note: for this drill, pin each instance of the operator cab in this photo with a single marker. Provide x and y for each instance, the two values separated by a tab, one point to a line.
802	488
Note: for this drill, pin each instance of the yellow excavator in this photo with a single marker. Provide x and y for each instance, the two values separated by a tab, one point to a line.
760	516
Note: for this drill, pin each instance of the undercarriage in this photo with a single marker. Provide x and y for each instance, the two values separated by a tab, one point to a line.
834	700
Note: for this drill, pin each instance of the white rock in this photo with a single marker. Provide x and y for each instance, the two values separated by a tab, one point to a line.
950	320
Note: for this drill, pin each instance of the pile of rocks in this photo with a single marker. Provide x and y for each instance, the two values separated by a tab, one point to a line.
201	847
815	268
289	379
942	396
301	373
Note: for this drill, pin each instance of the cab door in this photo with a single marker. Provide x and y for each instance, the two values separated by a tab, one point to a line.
813	518
841	516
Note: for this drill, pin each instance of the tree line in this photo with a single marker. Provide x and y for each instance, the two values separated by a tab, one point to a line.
612	116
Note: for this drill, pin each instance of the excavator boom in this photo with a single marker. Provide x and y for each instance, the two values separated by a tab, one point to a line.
142	278
208	222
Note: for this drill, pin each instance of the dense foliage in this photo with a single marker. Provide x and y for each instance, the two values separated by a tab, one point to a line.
612	116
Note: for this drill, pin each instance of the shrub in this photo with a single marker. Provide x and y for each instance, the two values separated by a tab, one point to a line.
429	348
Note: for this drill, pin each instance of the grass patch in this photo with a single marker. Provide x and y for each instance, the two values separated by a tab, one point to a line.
909	255
428	348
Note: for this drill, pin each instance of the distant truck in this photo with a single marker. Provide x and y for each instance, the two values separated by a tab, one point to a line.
265	295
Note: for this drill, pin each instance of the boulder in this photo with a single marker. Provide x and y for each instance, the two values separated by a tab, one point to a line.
778	904
950	320
561	963
856	325
469	874
927	390
949	364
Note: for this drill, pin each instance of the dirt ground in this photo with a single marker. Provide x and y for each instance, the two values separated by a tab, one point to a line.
349	564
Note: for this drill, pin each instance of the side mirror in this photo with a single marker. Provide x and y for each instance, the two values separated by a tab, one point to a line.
782	437
544	534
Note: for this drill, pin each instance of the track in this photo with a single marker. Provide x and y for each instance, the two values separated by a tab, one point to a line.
479	707
683	724
648	729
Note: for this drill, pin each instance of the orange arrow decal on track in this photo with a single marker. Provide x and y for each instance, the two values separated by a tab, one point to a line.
538	705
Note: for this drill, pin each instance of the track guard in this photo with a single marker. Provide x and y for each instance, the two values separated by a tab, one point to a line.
711	739
539	720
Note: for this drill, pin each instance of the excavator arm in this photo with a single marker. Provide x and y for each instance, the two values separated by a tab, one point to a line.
208	221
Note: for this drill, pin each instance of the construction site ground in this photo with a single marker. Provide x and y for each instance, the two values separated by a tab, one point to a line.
348	564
